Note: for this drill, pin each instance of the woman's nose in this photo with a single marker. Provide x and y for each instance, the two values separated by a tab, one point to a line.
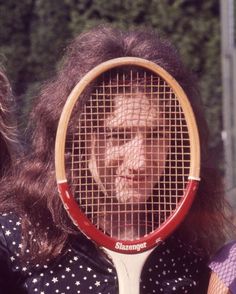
135	157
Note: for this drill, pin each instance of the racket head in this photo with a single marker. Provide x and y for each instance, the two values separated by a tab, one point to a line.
101	116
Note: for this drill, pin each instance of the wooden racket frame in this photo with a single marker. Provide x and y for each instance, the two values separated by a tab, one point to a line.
77	216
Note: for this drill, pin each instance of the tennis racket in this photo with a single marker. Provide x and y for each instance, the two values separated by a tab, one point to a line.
127	160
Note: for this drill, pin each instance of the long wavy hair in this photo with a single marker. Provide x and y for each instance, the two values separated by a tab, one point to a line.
8	133
33	193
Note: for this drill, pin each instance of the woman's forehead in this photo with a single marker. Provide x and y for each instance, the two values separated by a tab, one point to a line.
133	110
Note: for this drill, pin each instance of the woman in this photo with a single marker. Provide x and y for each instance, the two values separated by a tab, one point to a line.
43	251
8	142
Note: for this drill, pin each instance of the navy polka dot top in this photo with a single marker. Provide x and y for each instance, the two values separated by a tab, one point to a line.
172	268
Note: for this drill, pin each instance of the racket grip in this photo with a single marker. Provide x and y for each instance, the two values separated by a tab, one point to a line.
128	268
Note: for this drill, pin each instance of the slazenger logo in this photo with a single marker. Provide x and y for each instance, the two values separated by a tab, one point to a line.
137	247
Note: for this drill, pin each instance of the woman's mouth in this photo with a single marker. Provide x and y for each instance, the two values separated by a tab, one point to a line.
134	178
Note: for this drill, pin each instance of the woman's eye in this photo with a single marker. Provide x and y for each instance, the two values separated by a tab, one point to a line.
114	136
119	136
155	135
159	135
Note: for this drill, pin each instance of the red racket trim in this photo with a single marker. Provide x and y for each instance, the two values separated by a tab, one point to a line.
124	246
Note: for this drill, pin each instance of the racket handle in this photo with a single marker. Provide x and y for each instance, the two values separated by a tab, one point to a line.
128	268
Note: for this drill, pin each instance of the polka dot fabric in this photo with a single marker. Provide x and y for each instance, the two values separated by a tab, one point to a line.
172	268
224	265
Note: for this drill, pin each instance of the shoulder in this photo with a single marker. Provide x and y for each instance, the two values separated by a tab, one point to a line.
185	255
9	218
10	229
10	236
177	267
224	264
226	254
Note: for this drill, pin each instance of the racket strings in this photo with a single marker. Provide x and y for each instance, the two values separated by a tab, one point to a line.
129	154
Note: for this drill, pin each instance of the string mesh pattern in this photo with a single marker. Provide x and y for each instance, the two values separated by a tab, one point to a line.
129	153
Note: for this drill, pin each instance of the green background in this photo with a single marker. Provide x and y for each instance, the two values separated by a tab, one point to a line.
34	33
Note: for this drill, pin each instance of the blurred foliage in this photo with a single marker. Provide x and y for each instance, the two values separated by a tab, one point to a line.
33	34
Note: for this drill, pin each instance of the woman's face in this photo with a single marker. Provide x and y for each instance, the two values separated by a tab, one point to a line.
129	152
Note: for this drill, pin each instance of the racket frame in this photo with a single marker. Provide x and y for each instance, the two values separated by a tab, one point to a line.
72	207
